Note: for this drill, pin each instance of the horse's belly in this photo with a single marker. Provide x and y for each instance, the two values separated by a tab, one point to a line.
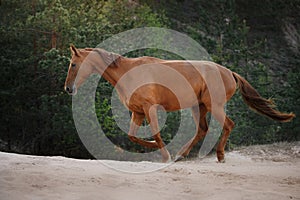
170	99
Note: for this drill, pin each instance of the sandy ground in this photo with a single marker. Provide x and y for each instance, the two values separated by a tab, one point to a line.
256	172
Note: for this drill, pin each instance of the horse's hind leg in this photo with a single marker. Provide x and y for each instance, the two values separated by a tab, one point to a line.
228	125
136	121
201	127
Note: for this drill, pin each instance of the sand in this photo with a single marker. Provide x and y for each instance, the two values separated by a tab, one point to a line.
256	172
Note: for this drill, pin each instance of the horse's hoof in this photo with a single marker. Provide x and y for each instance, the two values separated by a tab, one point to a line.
178	158
222	160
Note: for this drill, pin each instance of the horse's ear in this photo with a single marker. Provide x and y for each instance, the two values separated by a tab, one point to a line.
74	50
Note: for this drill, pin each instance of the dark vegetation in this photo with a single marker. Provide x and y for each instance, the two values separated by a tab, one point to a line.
258	39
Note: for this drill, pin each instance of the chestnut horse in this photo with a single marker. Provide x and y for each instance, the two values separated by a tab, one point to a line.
212	86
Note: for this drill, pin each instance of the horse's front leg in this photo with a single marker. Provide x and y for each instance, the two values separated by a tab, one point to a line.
151	116
136	121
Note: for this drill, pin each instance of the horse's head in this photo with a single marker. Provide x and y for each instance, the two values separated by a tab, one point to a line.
76	73
85	62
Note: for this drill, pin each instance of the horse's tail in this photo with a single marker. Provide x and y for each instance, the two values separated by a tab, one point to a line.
258	103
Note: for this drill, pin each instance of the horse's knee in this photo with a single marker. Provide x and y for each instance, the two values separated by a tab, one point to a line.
231	124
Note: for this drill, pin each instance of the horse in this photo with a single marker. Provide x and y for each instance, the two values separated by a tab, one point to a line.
211	86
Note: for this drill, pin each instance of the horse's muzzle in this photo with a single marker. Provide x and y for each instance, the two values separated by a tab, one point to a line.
71	90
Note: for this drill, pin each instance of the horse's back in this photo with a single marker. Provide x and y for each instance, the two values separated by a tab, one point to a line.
211	79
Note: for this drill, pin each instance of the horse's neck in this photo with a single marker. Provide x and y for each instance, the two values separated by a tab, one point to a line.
109	77
114	73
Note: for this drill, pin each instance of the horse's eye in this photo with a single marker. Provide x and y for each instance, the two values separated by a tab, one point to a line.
73	65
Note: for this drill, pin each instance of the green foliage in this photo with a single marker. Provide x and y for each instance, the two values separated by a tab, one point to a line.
35	36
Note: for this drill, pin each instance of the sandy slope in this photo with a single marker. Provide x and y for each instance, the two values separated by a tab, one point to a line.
257	172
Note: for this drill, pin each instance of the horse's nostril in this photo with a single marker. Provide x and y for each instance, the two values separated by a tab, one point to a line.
68	90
